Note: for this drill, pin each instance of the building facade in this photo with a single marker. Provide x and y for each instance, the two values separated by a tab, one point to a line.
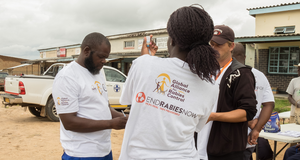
274	49
124	49
13	66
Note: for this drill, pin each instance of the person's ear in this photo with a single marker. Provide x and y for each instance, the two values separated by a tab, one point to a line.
86	51
232	46
172	43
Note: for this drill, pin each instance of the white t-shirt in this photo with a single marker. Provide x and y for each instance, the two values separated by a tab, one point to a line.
75	89
169	103
263	93
203	136
294	90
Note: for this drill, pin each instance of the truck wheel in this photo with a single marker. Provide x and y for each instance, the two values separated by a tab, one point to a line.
51	111
35	111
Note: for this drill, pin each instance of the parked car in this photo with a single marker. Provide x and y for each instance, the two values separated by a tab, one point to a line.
35	92
2	78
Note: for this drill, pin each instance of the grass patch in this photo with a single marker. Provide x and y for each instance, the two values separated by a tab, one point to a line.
282	105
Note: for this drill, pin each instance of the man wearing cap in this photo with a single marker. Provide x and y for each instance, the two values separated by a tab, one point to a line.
294	94
224	137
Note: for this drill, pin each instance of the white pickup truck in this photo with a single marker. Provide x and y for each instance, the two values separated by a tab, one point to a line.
35	92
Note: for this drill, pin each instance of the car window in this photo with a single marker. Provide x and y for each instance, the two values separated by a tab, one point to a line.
59	68
54	70
50	72
113	76
3	75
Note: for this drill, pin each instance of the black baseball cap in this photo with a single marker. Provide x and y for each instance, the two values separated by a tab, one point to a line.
223	34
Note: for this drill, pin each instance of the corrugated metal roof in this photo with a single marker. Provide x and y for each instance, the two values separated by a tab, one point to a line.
263	36
283	4
55	48
138	34
268	38
12	57
117	36
22	65
50	59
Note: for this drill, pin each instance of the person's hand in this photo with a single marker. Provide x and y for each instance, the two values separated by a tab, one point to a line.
119	122
152	46
252	124
211	117
252	137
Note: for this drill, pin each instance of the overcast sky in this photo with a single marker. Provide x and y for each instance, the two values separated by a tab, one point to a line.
29	25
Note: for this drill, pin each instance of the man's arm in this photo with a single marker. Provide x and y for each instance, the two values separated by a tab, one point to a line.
244	99
238	115
293	102
265	115
114	113
77	124
262	120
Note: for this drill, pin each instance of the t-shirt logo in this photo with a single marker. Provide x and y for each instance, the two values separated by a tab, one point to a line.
163	82
235	74
104	87
58	100
140	97
175	89
99	87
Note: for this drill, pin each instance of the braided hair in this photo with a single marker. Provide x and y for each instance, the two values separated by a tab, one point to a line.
191	28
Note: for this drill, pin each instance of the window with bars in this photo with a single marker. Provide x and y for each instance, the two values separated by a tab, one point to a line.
283	59
129	44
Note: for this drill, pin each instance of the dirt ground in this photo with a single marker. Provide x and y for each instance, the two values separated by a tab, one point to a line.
26	137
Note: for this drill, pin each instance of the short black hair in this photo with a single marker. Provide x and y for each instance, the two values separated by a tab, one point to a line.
191	28
238	48
94	39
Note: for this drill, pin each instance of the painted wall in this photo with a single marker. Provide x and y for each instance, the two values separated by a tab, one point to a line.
250	55
53	53
266	23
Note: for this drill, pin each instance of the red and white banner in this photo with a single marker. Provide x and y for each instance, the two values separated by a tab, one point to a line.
62	52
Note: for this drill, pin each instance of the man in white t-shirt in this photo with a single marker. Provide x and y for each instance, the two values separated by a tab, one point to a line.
264	96
81	101
294	94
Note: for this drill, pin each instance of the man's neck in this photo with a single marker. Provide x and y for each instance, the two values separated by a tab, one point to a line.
80	61
223	62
